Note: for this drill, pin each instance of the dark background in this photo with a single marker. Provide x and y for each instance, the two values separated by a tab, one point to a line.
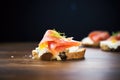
27	20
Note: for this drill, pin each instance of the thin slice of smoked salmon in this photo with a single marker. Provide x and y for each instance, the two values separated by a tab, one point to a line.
98	36
115	36
56	43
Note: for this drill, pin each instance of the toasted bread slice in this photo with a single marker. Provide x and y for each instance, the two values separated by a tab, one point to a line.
76	55
109	46
89	43
79	54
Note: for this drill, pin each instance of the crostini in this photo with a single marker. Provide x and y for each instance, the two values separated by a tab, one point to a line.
93	39
112	43
55	46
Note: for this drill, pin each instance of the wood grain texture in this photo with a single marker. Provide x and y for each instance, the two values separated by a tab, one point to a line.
16	64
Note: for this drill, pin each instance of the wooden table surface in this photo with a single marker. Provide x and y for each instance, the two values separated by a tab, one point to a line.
16	64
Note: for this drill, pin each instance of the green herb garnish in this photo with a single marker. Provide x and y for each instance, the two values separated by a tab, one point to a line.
115	33
59	33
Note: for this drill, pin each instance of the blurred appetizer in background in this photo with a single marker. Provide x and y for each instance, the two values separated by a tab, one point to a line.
93	39
112	43
55	46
